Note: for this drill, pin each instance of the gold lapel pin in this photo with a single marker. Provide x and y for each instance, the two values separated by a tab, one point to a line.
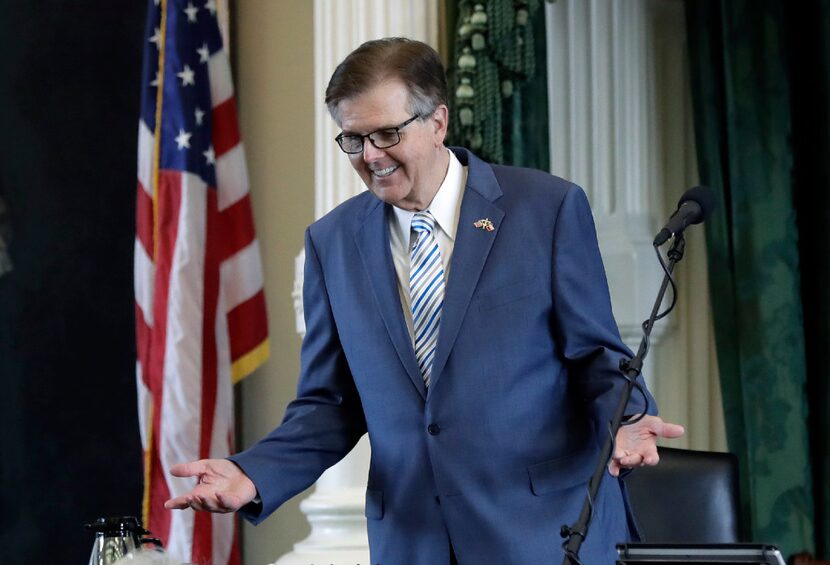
484	224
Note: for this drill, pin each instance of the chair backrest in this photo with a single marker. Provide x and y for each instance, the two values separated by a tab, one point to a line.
689	497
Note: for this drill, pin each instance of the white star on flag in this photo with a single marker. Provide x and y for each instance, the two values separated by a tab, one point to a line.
155	81
186	75
199	115
156	38
210	5
191	12
204	53
209	155
183	139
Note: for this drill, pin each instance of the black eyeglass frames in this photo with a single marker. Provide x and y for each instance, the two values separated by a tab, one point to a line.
383	138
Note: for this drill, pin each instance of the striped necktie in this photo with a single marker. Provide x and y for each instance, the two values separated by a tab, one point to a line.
426	290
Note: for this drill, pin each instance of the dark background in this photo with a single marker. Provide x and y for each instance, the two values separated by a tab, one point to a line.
69	103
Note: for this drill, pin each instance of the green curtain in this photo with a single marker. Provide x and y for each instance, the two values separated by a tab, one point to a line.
498	80
758	72
811	141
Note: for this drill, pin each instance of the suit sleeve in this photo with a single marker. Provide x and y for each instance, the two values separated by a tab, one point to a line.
324	421
583	320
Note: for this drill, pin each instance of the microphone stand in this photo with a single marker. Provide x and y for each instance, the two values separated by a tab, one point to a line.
576	534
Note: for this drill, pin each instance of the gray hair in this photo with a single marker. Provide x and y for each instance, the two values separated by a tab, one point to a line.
415	64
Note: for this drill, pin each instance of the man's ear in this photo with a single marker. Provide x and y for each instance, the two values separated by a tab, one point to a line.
440	122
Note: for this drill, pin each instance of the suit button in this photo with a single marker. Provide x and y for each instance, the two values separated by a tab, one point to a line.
434	429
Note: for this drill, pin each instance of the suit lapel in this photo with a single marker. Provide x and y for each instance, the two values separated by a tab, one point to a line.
372	240
470	251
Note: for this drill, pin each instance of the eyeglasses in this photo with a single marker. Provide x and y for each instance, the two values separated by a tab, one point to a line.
384	138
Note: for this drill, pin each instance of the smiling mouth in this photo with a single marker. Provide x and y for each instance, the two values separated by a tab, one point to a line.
381	173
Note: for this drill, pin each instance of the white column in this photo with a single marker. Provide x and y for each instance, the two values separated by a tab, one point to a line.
600	89
335	509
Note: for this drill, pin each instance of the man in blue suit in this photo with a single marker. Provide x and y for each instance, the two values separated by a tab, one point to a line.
458	312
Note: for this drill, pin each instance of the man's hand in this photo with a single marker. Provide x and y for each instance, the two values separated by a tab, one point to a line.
636	444
222	486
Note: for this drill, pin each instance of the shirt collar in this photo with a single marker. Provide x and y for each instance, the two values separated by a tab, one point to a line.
445	206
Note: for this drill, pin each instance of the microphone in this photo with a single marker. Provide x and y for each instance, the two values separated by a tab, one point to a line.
695	204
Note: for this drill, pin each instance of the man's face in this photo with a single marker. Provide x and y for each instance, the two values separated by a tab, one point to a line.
408	174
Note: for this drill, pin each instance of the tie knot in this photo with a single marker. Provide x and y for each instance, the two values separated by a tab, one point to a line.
423	222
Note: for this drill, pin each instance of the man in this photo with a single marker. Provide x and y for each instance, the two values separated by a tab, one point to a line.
458	312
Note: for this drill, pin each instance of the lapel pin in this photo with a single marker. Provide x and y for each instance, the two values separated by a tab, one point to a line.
484	224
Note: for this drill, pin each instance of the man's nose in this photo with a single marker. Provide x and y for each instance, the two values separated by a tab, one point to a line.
370	152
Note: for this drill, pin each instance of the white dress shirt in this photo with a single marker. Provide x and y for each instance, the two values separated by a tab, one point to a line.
445	208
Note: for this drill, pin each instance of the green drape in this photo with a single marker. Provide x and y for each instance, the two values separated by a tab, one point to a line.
811	142
754	117
526	135
498	80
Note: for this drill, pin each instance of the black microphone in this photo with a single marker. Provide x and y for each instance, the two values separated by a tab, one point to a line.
695	204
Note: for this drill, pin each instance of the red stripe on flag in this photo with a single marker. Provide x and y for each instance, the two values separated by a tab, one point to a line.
225	127
247	325
213	240
142	340
169	203
159	517
144	219
236	224
203	524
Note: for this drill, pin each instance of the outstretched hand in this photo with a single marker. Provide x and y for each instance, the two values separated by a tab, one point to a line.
221	486
636	444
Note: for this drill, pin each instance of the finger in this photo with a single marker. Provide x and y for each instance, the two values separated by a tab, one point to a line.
651	459
668	430
633	460
191	469
178	503
614	469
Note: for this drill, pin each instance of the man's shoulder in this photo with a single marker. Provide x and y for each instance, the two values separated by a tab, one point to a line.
525	178
515	180
347	215
526	187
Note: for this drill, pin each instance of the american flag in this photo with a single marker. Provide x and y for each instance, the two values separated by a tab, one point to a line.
200	305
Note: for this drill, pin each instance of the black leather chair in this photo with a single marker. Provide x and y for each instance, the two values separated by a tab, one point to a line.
689	497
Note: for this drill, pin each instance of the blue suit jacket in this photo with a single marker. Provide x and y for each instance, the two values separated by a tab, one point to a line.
495	457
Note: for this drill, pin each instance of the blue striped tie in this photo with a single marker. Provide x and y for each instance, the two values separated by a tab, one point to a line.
426	290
